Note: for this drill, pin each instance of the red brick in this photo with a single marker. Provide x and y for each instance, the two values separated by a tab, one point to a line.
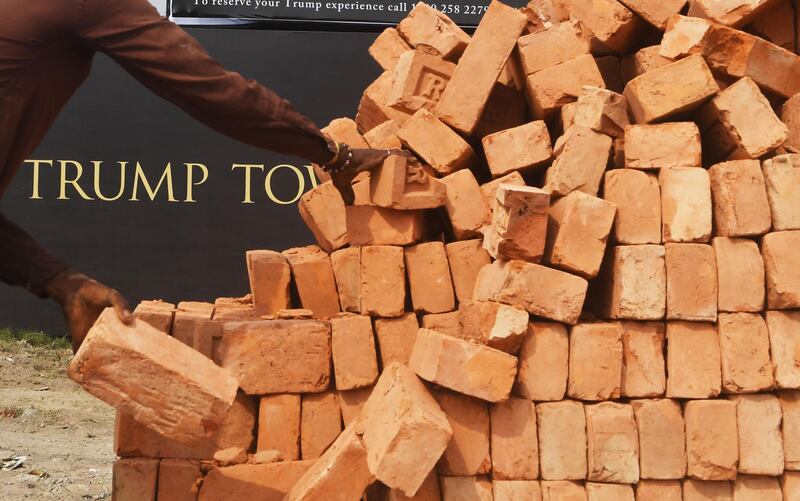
611	22
608	492
466	95
320	423
405	431
468	451
185	324
674	89
611	69
660	458
699	490
278	356
691	282
782	178
419	81
519	149
760	439
466	258
270	277
563	491
190	396
753	488
512	490
790	115
740	275
396	338
466	489
774	25
505	109
613	450
685	204
654	12
447	323
437	144
515	283
427	29
637	198
134	480
662	145
562	440
784	340
178	480
430	491
543	362
314	280
595	361
382	281
373	109
400	184
453	363
643	370
556	44
577	232
514	444
268	482
693	360
581	160
279	425
659	490
156	313
346	264
602	110
790	406
465	206
323	212
429	278
352	403
551	88
642	61
740	199
634	283
711	439
782	265
384	136
519	223
790	483
744	346
728	12
489	189
353	347
493	324
387	48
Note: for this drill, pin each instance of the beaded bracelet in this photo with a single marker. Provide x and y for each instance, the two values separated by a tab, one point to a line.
337	165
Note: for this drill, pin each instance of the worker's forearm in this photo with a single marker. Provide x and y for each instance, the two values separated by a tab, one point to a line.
22	262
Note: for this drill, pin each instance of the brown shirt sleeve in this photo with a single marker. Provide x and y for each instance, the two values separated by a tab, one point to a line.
22	262
172	64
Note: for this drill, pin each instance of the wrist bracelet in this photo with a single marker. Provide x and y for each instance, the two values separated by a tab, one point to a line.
343	159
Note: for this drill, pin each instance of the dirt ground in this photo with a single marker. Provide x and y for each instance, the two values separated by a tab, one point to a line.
65	433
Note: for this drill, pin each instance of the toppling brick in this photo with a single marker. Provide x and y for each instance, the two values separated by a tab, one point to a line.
643	369
419	81
467	452
712	444
465	206
355	363
693	360
637	198
430	31
313	277
608	20
544	363
562	441
744	346
595	361
437	144
400	184
685	204
493	324
466	258
270	278
190	396
740	275
519	223
551	88
387	48
581	159
782	266
429	278
760	439
658	146
782	176
521	148
660	459
322	210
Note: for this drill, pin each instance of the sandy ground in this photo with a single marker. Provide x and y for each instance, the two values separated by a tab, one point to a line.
65	433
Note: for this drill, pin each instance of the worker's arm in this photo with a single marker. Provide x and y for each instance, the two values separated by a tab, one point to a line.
24	263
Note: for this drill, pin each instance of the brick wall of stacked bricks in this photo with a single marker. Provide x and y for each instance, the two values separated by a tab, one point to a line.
588	274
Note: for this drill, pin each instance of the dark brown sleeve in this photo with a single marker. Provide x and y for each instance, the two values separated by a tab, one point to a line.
172	64
22	262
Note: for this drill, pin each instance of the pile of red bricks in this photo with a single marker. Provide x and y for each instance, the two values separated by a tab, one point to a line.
585	284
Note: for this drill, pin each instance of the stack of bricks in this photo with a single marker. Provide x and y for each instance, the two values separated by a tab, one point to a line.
589	265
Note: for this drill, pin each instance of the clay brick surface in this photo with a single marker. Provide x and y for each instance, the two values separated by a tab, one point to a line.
185	324
660	458
462	366
782	178
322	210
577	231
396	338
610	21
346	264
637	198
608	492
634	283
711	439
544	362
514	283
372	225
400	184
466	489
551	88
760	439
784	340
489	189
602	110
467	452
373	109
353	348
782	266
192	395
387	48
753	488
659	490
595	361
674	89
466	258
405	431
581	159
740	275
279	425
313	277
790	483
429	30
320	423
562	441
662	145
700	490
790	406
728	12
156	313
447	323
790	115
519	223
382	281
685	204
654	12
430	491
518	149
384	136
270	482
466	95
270	277
177	479
641	62
429	278
436	143
278	356
465	205
352	402
134	479
691	282
610	67
744	346
493	324
419	81
693	360
740	199
643	370
558	43
515	449
563	491
613	450
511	490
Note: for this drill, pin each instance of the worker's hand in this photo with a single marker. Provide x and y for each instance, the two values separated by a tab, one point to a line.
363	160
82	300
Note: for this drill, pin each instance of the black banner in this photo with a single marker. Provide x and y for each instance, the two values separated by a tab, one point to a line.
376	13
132	191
